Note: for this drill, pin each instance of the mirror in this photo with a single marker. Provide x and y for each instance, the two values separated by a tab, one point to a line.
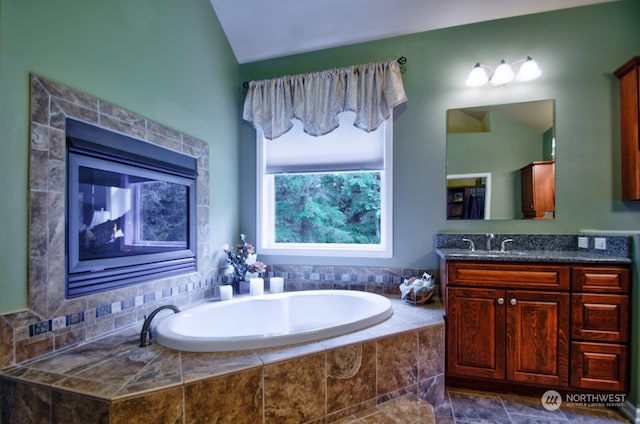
501	161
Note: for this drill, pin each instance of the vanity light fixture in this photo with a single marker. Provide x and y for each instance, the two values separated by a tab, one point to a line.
503	74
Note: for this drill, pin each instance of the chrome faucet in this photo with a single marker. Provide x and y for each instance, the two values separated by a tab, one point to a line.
490	237
503	245
472	247
145	334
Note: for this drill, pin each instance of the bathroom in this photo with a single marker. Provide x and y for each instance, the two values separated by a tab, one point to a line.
188	80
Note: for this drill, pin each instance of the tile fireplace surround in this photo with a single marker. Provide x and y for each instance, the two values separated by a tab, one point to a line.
53	322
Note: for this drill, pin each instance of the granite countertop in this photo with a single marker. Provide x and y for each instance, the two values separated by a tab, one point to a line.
545	248
547	256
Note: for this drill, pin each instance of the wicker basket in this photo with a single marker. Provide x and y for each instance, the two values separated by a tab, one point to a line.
421	298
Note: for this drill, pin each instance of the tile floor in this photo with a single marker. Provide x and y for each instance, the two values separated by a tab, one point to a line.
407	409
467	407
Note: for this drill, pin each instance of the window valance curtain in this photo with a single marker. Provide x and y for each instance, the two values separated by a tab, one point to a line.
316	99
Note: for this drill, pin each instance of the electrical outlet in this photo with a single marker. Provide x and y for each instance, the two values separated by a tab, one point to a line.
583	242
600	243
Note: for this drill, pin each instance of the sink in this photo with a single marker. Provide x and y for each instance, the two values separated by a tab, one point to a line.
496	253
491	254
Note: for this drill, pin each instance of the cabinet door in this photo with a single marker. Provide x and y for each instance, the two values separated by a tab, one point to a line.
475	333
600	366
629	75
538	189
600	317
600	279
527	199
537	337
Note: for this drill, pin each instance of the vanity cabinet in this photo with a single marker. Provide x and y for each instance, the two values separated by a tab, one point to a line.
507	322
522	325
600	332
629	76
538	190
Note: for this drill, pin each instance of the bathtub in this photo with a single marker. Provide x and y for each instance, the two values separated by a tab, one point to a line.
271	320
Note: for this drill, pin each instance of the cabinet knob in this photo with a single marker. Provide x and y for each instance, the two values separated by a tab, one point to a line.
500	301
513	301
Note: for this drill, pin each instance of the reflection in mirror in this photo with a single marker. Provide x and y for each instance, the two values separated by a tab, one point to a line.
501	161
469	196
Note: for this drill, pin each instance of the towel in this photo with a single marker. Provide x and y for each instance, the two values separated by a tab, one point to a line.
425	284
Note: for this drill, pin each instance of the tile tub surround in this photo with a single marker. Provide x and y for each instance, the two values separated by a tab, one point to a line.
30	335
114	380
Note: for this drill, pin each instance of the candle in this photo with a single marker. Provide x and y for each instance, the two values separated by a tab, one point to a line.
226	292
256	286
276	285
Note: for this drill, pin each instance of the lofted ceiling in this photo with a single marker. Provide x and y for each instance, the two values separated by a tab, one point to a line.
266	29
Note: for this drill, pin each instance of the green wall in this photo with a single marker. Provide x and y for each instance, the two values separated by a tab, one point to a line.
577	49
166	60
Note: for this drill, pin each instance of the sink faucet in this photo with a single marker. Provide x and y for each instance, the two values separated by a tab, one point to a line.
472	247
503	245
490	237
145	334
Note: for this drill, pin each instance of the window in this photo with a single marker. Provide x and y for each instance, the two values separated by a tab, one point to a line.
326	196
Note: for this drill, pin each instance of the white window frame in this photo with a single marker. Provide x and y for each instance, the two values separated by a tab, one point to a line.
265	212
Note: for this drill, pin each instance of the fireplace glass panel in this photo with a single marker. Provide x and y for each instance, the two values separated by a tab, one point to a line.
126	214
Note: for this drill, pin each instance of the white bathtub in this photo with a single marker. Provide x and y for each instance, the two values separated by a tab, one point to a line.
271	320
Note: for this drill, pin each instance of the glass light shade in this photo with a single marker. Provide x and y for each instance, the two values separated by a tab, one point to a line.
529	70
477	76
503	74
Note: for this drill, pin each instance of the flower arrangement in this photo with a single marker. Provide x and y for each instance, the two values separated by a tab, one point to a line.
243	262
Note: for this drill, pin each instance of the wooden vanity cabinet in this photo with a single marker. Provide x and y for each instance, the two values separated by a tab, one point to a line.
538	189
516	331
536	325
629	76
600	305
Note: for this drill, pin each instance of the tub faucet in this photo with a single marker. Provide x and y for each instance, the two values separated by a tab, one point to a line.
145	334
490	237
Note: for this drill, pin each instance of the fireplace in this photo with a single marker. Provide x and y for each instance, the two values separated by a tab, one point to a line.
131	210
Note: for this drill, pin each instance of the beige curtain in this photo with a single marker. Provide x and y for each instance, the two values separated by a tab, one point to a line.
316	99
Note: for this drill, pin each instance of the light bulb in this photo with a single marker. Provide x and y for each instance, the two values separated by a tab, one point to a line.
529	70
503	74
477	76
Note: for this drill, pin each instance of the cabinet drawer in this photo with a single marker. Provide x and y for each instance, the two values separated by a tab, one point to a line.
508	275
600	317
599	366
600	279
